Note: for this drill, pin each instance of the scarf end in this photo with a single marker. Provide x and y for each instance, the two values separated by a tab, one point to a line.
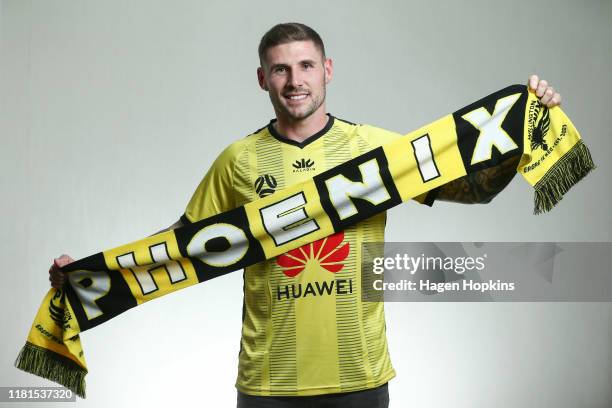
52	366
570	169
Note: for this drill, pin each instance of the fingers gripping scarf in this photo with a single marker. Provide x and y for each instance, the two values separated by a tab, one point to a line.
507	123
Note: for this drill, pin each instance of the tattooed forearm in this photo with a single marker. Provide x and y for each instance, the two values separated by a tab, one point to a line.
480	186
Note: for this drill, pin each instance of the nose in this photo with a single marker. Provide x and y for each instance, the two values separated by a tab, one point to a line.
295	79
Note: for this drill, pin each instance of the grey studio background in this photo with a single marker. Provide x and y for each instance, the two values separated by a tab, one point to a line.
111	112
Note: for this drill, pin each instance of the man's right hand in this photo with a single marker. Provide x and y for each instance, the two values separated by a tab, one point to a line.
56	276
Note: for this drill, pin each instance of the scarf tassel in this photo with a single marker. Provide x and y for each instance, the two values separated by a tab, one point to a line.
52	366
569	170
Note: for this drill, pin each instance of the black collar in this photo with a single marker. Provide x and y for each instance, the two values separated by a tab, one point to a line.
307	141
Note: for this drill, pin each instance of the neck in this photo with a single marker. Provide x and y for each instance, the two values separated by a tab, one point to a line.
301	129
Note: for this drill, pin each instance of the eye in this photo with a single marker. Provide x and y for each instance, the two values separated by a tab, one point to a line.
307	65
280	69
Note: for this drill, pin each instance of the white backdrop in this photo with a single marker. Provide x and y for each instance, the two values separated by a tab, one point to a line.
111	112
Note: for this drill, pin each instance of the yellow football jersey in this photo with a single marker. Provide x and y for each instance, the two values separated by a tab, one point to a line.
305	328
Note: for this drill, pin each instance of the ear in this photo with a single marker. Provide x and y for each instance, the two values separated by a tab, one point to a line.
328	65
261	79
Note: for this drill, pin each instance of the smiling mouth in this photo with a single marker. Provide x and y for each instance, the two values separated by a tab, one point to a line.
295	97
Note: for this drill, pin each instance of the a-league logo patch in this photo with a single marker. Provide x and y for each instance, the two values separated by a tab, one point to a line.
265	185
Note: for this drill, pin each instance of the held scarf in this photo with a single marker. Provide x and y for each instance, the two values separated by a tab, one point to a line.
507	123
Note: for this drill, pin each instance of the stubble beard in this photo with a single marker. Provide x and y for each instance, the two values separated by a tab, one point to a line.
293	116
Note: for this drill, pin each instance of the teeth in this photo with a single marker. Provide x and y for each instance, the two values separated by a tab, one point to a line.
295	97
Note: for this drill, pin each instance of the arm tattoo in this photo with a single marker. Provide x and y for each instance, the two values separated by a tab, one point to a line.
480	186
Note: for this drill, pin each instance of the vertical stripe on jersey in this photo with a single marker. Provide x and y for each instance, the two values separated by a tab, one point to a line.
373	230
350	336
280	370
376	339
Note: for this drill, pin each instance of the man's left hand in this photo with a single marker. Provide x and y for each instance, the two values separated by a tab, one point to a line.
546	93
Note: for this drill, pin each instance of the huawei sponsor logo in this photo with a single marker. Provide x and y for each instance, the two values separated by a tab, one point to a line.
328	254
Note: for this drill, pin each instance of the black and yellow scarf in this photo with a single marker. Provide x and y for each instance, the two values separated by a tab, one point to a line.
508	123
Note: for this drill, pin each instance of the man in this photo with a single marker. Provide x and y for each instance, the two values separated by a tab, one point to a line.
307	338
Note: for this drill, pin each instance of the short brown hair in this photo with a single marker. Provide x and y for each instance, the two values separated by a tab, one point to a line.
288	32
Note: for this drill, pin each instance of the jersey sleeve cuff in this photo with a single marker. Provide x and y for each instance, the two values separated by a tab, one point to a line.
185	220
431	197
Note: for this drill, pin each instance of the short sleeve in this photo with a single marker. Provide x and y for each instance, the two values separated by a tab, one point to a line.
427	198
215	193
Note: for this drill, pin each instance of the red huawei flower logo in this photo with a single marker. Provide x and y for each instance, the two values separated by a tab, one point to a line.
327	252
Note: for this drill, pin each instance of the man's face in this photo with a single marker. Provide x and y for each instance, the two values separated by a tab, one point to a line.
295	75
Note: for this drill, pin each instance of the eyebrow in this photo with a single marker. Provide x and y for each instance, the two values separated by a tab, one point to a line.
311	62
283	65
